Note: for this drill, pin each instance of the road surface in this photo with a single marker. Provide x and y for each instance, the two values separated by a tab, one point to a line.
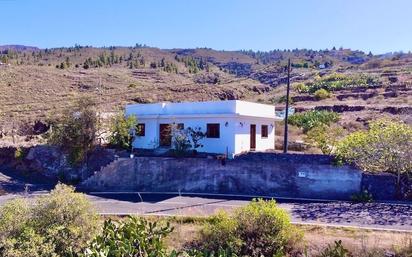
388	216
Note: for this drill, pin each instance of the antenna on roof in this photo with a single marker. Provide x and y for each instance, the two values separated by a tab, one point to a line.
285	139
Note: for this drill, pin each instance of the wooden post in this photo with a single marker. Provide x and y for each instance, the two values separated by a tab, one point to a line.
285	139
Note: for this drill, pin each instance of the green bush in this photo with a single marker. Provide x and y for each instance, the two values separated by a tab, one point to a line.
310	119
221	234
260	228
301	88
325	137
384	147
76	130
336	250
59	224
131	237
362	197
321	94
120	130
19	153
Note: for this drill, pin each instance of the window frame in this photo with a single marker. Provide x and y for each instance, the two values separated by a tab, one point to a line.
141	132
213	130
266	130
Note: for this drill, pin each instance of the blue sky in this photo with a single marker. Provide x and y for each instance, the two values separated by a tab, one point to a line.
376	25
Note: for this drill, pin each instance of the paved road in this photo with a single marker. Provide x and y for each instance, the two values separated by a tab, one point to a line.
372	215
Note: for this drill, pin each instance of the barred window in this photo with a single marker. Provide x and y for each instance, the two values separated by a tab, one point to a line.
213	130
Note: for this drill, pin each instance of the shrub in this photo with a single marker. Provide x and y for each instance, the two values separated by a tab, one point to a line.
132	85
59	224
120	130
260	228
76	130
336	250
131	237
325	137
322	93
385	147
362	197
282	99
19	153
301	88
180	140
221	234
310	119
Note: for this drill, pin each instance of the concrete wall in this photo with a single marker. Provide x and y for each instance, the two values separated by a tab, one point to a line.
260	176
242	137
234	137
226	142
233	116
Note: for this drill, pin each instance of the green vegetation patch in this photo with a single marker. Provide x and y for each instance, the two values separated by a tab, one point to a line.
311	119
384	147
338	81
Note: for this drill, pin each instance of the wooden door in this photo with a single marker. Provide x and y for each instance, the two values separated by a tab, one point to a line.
252	137
165	135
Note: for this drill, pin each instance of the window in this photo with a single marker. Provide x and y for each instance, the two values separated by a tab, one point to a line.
264	131
213	130
140	130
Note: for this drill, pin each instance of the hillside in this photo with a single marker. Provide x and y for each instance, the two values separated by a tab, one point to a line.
37	83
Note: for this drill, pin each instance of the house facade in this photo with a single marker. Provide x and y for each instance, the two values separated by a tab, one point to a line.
231	127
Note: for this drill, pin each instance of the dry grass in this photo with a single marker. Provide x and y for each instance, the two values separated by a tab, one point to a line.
358	241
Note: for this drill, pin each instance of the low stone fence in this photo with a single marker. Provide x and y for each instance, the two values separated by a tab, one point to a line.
269	174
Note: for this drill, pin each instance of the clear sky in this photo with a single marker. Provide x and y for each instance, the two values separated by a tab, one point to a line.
376	25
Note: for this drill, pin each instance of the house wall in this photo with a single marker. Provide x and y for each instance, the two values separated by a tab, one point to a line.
234	139
242	135
212	145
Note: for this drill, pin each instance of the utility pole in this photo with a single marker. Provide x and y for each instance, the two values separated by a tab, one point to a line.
285	139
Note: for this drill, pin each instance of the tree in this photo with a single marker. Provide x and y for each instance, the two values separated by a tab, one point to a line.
180	139
59	224
76	131
385	147
121	130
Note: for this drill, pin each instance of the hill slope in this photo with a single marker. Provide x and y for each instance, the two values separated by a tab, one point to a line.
35	83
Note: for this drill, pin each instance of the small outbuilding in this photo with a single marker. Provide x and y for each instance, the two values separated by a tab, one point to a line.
231	127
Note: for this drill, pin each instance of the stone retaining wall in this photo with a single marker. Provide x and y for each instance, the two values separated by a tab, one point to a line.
266	174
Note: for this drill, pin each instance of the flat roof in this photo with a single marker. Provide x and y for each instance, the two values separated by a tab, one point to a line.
206	108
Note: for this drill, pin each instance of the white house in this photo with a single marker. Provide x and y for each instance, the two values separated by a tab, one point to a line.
231	127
